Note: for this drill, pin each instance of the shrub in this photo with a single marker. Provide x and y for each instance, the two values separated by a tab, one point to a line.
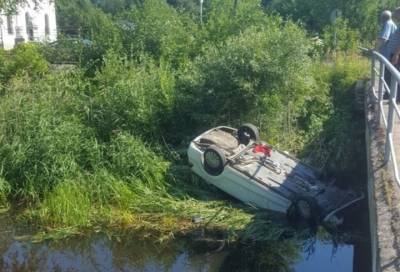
70	51
26	58
131	97
160	31
262	74
339	144
224	20
90	24
341	37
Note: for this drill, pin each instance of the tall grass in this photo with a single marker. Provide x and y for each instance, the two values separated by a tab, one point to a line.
73	177
5	189
337	122
43	140
104	200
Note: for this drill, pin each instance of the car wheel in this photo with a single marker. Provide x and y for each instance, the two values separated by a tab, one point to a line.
303	212
247	133
214	160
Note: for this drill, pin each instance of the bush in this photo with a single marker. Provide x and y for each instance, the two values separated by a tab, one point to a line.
224	20
191	7
87	23
341	37
262	74
24	59
70	51
315	14
160	31
361	15
339	145
131	97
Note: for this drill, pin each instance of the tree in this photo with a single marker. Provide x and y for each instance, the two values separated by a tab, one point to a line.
115	6
315	14
11	5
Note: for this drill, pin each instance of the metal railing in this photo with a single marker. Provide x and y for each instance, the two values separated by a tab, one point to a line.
381	72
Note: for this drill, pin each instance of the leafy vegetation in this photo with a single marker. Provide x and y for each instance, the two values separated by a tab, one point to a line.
362	15
339	145
96	146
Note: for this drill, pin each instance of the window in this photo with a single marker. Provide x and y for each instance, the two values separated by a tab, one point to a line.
46	25
10	26
29	26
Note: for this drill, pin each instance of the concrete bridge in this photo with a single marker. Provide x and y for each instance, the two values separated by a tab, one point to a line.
383	150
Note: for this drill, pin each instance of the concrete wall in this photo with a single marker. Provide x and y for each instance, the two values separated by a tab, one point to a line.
17	28
371	187
383	195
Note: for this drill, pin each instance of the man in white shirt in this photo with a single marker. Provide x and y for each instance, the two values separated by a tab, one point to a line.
388	28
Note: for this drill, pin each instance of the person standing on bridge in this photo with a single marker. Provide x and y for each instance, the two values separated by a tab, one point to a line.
388	28
391	50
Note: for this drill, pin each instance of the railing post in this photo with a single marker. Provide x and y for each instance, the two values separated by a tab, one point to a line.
380	89
390	120
373	73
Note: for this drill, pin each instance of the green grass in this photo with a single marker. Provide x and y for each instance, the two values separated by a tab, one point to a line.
5	190
106	202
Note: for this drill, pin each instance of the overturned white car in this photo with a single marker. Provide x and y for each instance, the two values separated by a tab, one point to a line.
237	162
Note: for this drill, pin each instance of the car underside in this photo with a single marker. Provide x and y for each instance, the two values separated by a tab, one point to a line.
240	164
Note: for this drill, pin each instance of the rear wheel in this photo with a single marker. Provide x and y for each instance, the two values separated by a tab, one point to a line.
214	160
303	212
247	133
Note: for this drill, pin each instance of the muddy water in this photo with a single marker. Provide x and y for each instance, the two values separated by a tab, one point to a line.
98	253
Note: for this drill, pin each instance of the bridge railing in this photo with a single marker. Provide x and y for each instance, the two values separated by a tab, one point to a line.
388	111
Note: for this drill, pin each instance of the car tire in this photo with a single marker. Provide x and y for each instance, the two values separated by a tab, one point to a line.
303	212
247	133
214	160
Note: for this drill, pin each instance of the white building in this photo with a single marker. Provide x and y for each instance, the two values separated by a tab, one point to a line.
30	22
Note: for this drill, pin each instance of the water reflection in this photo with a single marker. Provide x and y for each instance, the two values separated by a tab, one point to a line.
98	253
327	256
101	254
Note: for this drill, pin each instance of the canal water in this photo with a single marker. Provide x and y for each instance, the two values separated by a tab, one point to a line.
99	253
